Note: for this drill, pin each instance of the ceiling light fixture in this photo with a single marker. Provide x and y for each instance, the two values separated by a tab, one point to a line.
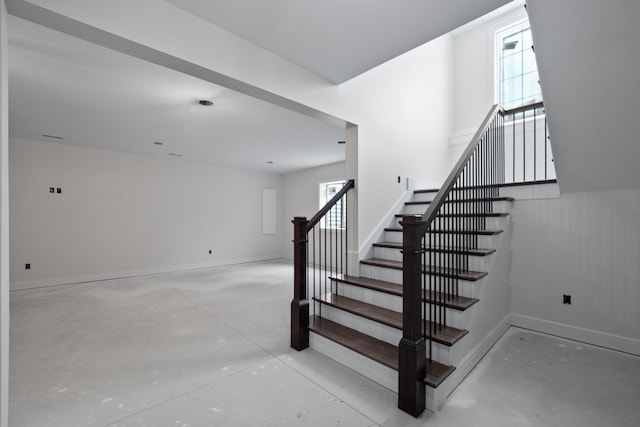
53	137
175	154
270	162
342	142
205	102
158	143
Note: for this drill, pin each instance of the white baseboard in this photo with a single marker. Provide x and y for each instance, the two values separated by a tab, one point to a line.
588	336
31	284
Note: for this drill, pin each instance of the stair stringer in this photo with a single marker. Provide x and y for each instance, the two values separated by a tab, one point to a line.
491	319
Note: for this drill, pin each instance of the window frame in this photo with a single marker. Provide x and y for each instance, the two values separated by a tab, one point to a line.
499	35
323	199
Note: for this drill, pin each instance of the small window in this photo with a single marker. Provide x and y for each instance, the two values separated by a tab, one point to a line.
517	72
335	218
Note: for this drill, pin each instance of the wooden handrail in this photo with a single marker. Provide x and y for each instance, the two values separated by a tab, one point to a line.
523	108
440	198
300	303
327	207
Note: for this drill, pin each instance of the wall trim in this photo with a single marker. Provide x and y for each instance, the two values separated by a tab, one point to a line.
57	281
587	336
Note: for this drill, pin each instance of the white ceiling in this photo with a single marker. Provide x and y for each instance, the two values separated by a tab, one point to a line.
588	55
339	39
93	96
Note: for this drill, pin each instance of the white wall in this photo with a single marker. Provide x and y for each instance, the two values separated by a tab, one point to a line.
474	76
586	245
4	222
121	214
403	112
403	106
301	191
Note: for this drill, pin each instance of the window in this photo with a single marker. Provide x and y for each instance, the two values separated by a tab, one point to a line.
335	218
517	71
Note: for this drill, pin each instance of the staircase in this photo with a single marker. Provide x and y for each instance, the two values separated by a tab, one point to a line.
412	315
361	323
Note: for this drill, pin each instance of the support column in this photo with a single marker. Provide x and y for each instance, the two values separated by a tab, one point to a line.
300	303
412	348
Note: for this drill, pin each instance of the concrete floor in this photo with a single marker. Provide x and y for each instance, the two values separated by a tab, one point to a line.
210	348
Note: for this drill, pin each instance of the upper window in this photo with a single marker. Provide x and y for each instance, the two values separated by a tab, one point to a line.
517	74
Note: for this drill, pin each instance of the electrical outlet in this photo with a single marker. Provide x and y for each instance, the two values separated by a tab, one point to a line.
52	190
210	252
566	299
27	266
59	190
398	180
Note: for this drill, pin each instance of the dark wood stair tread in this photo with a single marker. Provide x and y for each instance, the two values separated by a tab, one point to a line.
485	199
363	309
374	284
464	215
375	349
457	303
478	232
397	265
443	334
475	252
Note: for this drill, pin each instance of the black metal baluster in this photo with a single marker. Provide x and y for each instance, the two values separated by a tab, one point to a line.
535	151
546	142
524	149
513	139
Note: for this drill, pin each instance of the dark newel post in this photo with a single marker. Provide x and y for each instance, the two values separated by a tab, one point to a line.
413	355
300	303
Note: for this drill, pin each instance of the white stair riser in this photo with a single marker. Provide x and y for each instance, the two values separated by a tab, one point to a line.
385	333
423	197
370	296
412	209
476	263
456	318
372	328
484	241
375	371
371	369
392	236
446	355
466	288
491	223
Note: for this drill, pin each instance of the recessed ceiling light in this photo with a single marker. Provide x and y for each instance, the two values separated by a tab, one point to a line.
342	142
158	143
270	162
53	137
205	102
175	154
